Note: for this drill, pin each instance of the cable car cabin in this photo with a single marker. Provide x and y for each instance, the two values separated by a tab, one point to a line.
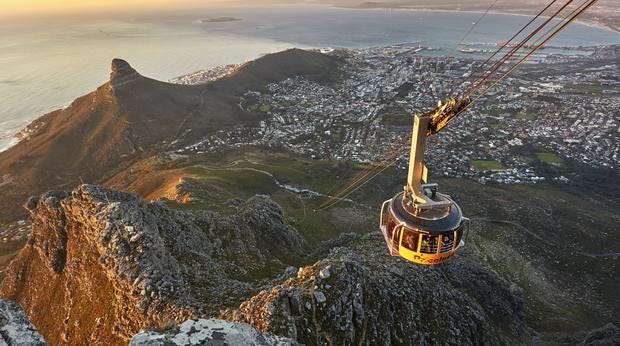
420	224
427	236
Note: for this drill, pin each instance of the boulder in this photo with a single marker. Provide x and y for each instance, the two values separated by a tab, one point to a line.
15	329
209	332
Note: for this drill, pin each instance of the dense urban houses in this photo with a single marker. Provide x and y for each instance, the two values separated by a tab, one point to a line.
541	115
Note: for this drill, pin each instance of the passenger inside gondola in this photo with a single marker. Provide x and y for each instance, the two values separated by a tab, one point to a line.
447	243
429	244
396	236
410	241
459	234
426	247
433	243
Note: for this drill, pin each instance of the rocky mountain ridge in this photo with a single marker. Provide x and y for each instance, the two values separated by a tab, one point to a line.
358	295
16	330
113	264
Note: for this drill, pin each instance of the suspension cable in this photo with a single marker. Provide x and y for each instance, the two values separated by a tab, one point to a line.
362	179
539	39
508	55
536	48
575	14
476	23
506	43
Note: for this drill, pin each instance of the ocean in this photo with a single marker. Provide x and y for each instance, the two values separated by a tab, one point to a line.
48	62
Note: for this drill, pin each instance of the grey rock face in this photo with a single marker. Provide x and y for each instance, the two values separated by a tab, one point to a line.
270	227
153	264
606	336
15	329
209	332
369	298
54	246
157	266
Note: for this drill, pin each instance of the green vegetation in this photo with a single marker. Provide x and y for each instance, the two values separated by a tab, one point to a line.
525	116
494	111
243	175
514	228
261	108
526	159
487	165
583	89
396	115
549	158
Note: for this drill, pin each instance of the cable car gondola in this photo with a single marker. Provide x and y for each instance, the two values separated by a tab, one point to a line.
420	224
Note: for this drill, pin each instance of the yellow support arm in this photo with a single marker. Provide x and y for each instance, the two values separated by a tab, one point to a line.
425	125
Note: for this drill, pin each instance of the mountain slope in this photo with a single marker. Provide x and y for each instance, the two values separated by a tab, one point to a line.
102	264
131	117
280	66
96	134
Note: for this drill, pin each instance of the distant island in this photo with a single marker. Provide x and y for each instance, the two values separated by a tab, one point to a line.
221	20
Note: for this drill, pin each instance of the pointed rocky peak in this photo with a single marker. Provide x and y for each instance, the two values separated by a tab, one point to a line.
121	68
122	73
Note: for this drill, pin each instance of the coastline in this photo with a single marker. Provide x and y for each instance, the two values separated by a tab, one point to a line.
10	144
7	140
14	139
587	22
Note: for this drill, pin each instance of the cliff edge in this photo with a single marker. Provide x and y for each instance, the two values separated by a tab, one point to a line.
101	264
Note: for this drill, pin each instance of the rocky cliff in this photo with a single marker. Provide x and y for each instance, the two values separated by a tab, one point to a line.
359	295
15	329
101	264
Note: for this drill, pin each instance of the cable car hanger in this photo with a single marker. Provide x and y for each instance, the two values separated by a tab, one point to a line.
420	224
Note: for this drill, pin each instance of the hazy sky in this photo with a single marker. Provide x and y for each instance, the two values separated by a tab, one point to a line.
25	7
41	7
